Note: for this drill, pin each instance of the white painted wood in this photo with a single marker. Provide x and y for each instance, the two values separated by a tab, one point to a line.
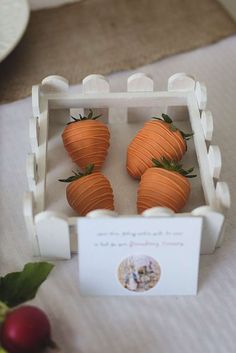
41	157
158	211
50	85
201	94
223	195
101	214
53	235
215	161
31	171
140	82
117	99
34	133
73	225
54	83
151	212
181	82
28	210
36	100
201	152
94	84
212	226
207	124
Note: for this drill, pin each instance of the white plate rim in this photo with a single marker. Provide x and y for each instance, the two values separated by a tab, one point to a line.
14	43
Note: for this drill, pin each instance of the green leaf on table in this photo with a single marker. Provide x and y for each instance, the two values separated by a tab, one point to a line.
2	350
19	287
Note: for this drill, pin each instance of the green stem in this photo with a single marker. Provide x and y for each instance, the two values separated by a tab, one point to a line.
172	166
77	175
81	117
168	120
3	311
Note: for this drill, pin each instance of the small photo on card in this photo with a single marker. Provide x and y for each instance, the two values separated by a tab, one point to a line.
139	273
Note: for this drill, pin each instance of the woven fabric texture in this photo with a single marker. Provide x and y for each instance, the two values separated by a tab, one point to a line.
104	36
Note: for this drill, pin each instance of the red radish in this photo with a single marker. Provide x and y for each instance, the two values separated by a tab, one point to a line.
26	329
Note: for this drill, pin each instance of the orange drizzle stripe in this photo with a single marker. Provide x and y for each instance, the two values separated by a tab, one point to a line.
164	142
172	187
175	136
155	146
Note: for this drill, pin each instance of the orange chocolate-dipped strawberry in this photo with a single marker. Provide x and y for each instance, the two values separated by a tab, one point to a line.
86	140
89	191
165	185
158	138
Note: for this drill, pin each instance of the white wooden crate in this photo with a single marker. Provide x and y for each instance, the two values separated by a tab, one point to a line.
50	222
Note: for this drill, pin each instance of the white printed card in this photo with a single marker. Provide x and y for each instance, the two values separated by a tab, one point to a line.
139	256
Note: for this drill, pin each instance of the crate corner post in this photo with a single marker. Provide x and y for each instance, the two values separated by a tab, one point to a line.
53	235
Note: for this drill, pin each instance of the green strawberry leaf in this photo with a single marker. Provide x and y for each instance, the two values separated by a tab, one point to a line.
90	115
89	168
19	287
77	175
173	166
167	119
